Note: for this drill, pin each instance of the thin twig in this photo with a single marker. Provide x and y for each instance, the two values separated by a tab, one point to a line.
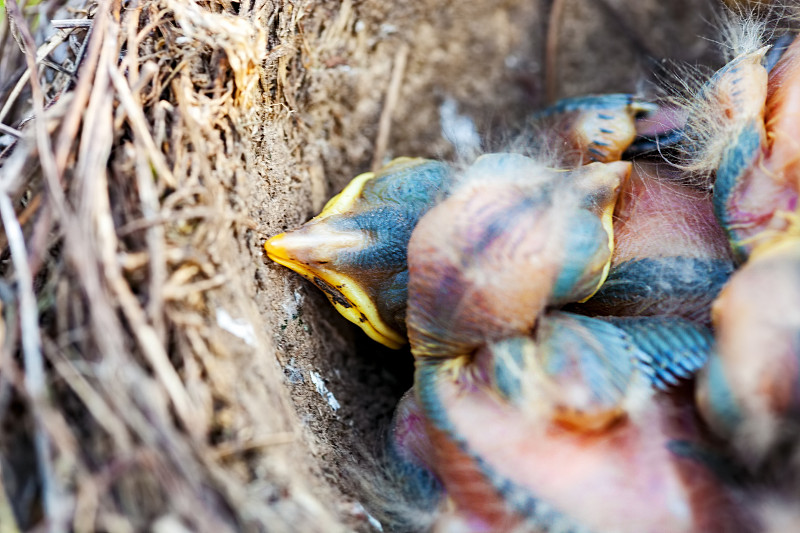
91	398
71	122
15	94
10	131
551	50
29	313
4	29
172	292
231	448
188	213
40	235
31	343
148	191
30	209
71	23
175	71
82	51
139	124
130	63
392	96
155	239
56	67
42	53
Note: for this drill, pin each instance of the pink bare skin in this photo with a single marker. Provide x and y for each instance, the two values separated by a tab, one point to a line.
672	227
623	479
757	324
783	118
664	120
658	217
409	432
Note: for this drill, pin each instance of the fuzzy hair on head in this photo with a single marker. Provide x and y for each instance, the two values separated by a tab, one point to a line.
716	113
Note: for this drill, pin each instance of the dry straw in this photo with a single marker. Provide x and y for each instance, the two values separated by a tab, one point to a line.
125	402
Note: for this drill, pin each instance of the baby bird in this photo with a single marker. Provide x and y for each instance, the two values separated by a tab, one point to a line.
754	196
671	256
589	129
355	249
746	129
751	388
513	238
522	404
560	431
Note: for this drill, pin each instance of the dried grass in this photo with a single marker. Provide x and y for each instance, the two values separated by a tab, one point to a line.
120	215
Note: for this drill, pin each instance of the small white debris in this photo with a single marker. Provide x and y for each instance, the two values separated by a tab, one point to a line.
291	307
238	327
318	382
374	522
459	129
169	524
388	29
358	510
360	26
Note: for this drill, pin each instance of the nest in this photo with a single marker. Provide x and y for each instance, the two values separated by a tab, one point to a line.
155	371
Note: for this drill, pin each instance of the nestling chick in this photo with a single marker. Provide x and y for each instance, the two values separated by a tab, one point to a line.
512	238
558	432
522	406
671	256
757	182
590	129
355	249
745	128
751	387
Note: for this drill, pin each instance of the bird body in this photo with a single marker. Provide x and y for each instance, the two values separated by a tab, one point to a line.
670	256
524	404
754	133
355	249
751	388
517	461
511	239
589	129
